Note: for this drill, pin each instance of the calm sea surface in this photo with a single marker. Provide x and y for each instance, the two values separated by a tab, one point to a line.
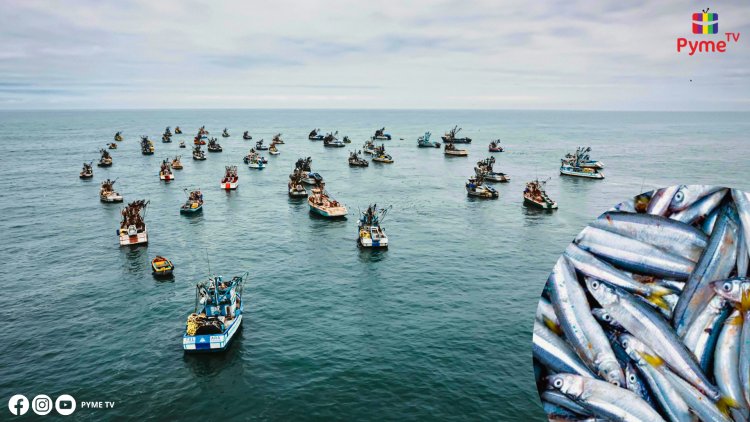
437	327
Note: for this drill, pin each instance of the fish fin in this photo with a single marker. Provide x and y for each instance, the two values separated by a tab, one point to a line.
724	403
652	360
745	303
656	299
737	320
552	326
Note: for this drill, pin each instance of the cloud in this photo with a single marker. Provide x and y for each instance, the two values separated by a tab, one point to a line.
349	53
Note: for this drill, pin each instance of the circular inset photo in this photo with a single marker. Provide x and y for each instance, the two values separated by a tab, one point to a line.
646	315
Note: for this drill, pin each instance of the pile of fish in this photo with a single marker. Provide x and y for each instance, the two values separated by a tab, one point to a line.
646	316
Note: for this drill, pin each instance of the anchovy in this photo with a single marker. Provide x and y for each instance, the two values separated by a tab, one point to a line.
706	409
650	328
702	334
717	262
605	318
708	224
687	195
633	255
672	236
626	206
589	265
554	353
580	328
635	383
742	201
737	290
559	399
727	364
700	209
671	401
603	399
742	254
659	204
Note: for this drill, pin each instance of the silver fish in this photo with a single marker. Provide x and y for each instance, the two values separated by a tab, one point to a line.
603	399
701	335
669	398
717	262
560	399
589	265
742	201
737	290
687	195
700	209
701	405
672	236
650	328
708	224
605	318
633	255
545	314
742	255
659	204
727	363
554	353
581	329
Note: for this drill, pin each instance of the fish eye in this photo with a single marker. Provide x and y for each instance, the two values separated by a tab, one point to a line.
606	317
615	383
557	383
625	344
679	196
631	378
727	287
594	284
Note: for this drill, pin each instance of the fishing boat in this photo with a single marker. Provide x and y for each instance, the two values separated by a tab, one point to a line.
194	203
322	204
371	235
369	147
161	267
380	135
107	192
315	135
330	140
217	316
88	171
167	132
485	169
424	141
177	130
202	131
311	178
176	163
579	164
346	140
165	172
273	150
182	144
535	196
230	179
166	139
198	153
495	146
118	136
476	187
213	145
451	151
356	161
452	136
112	146
105	160
200	140
381	156
296	188
254	161
277	139
260	147
246	136
225	133
147	147
132	229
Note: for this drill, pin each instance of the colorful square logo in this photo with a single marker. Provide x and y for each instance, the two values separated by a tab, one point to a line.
705	23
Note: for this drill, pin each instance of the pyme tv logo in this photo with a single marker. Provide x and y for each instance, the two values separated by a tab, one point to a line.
705	23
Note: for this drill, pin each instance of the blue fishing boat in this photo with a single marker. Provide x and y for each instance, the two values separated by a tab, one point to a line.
315	135
424	141
217	316
380	135
194	203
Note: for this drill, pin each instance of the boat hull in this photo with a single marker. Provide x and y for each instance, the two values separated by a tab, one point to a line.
500	178
584	174
541	205
459	153
138	239
297	194
111	199
274	152
166	177
189	211
211	342
259	166
456	140
229	185
333	212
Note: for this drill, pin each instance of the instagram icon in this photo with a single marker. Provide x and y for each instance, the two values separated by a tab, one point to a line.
41	405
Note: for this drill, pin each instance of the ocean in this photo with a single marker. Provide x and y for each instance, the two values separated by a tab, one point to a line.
438	327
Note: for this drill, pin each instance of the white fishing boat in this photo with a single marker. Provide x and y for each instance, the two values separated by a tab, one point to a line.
273	150
451	151
476	187
295	186
107	192
132	229
165	173
368	147
322	204
485	169
535	195
230	179
371	235
570	170
579	164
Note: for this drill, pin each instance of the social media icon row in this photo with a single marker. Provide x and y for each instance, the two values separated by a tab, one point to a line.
41	405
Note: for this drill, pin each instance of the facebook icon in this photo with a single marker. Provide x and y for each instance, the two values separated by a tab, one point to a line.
18	405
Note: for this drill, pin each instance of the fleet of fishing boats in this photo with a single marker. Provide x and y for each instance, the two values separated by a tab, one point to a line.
218	312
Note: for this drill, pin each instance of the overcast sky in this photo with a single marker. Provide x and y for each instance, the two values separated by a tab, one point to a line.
613	55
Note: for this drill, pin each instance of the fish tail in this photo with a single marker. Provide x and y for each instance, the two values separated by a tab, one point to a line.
736	320
724	403
552	326
652	360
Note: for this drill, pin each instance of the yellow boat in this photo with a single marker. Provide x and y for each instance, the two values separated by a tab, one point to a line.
161	266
